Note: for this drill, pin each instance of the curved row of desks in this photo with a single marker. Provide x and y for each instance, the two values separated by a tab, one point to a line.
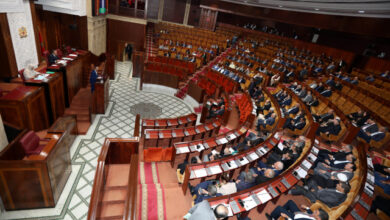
163	123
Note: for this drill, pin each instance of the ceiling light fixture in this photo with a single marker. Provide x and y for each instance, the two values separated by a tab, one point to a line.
361	11
280	6
317	9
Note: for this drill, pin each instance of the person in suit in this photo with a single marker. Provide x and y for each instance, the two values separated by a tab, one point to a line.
358	118
265	121
53	57
303	73
329	172
308	98
371	131
290	210
205	190
292	110
332	127
204	211
338	164
327	92
370	78
264	176
287	101
330	81
128	50
338	86
313	103
324	117
267	106
331	197
245	181
302	93
341	154
93	77
355	80
320	88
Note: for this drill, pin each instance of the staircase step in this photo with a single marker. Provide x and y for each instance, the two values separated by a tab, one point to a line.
118	175
112	210
83	126
114	194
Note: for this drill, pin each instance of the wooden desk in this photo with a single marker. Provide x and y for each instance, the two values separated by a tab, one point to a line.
72	74
24	106
54	94
37	181
101	96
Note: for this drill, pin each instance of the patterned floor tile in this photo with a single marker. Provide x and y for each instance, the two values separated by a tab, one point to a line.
118	124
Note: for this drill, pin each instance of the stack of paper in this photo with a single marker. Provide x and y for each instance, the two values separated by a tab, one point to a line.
301	172
200	173
249	203
215	169
182	150
264	196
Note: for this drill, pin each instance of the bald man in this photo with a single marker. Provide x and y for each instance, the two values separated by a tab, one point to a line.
203	211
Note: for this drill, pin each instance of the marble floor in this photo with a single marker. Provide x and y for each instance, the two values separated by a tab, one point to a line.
118	122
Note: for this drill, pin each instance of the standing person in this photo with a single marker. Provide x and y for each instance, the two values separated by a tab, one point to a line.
128	50
93	77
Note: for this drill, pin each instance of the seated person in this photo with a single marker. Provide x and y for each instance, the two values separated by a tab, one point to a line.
338	86
243	146
293	110
285	158
29	72
267	106
355	80
245	181
296	124
204	211
341	154
359	118
330	81
382	178
330	196
286	101
336	164
332	173
277	167
265	121
324	117
313	103
320	88
290	210
225	186
386	74
205	190
372	132
302	93
332	127
370	78
308	98
53	57
327	92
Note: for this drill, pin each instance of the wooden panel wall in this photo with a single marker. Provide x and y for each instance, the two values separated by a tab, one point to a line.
174	10
372	26
7	55
208	19
194	15
59	29
119	32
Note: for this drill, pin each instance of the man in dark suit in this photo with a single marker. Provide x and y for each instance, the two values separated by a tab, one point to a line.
53	57
266	121
245	181
332	127
336	155
93	77
128	50
286	101
292	110
324	117
331	197
327	92
290	210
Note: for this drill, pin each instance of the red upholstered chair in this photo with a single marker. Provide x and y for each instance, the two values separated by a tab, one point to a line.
21	75
31	143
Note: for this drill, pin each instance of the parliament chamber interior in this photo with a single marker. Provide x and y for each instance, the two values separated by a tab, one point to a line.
194	109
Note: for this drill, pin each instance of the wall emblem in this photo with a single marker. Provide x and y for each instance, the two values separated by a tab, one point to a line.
22	32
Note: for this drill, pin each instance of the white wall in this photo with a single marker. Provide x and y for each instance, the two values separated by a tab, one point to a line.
73	7
24	48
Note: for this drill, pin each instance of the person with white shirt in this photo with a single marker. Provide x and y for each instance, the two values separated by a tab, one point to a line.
291	211
29	72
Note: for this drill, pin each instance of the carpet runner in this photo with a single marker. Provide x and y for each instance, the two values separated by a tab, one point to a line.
151	199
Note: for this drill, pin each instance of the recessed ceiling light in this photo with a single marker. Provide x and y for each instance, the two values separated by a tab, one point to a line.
317	9
280	6
361	11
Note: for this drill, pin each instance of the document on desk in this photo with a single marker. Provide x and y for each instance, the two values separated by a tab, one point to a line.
182	150
232	164
67	58
253	156
231	136
73	55
222	141
369	162
315	150
280	146
242	161
306	164
192	174
264	196
249	203
40	77
301	172
200	173
312	157
215	169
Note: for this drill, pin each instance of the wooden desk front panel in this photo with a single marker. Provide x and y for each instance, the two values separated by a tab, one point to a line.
74	77
25	185
101	97
59	164
57	98
160	79
30	112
